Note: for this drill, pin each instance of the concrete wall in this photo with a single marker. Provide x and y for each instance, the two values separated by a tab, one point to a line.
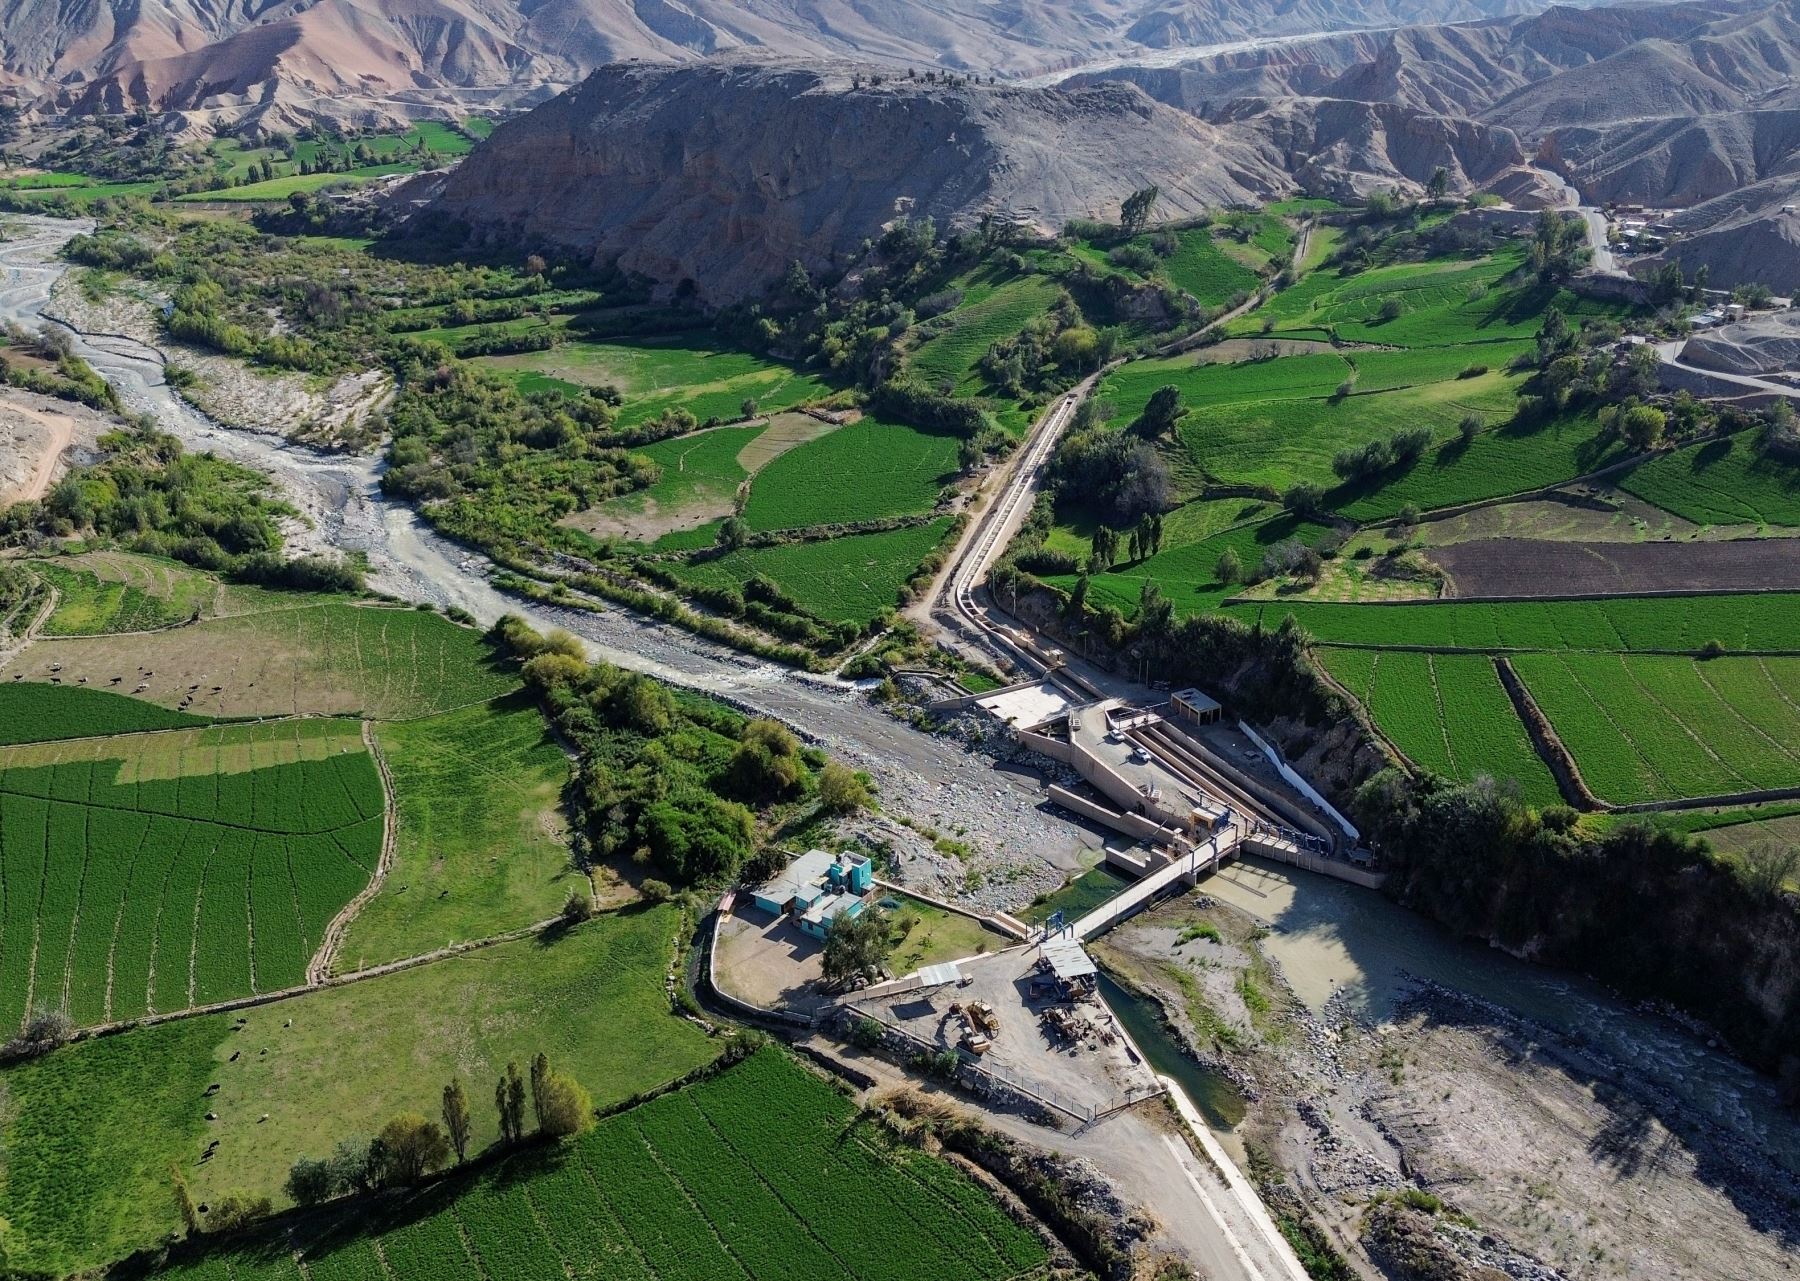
1133	825
1057	749
1313	863
1297	781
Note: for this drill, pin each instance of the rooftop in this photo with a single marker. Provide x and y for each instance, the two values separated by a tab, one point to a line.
1068	960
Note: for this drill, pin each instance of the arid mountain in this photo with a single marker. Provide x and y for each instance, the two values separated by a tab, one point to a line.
243	57
677	172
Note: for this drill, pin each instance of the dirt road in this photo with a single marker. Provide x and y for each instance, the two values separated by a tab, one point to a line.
31	454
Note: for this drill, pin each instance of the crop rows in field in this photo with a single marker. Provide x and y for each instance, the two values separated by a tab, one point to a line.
1652	728
1447	712
1508	459
123	897
1720	482
33	713
1200	267
86	606
760	1173
865	471
1767	622
989	313
849	579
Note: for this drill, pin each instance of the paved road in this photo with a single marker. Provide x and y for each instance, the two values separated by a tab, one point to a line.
1670	354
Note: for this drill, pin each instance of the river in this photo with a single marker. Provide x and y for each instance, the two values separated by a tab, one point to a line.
1326	935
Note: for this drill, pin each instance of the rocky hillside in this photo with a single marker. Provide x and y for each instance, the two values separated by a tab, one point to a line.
284	58
683	174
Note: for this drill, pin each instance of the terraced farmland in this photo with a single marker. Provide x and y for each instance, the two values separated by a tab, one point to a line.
1767	622
155	872
31	713
480	845
849	579
1720	482
993	307
1448	713
1653	728
91	1130
762	1172
865	471
664	373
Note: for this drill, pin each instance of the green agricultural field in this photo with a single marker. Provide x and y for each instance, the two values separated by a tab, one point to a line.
114	591
480	844
994	306
1670	624
87	606
157	872
330	657
841	580
868	470
1720	482
1652	728
1448	713
291	184
1508	459
1129	388
91	1130
86	192
32	713
1188	573
1443	303
655	374
763	1172
1279	442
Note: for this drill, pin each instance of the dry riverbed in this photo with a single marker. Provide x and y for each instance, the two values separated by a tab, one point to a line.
1451	1138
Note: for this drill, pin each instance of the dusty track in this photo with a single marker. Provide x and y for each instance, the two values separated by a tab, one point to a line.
319	968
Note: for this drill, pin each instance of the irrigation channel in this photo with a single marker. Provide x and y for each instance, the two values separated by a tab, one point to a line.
1328	937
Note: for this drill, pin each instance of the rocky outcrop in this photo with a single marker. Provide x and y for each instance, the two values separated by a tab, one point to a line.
715	177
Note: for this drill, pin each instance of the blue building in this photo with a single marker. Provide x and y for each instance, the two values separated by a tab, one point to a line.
805	886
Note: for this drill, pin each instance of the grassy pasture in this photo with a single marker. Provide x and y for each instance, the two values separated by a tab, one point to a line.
1720	482
763	1171
163	871
327	658
662	373
699	479
849	579
1447	712
1650	728
480	841
867	470
92	1129
110	591
1767	622
88	606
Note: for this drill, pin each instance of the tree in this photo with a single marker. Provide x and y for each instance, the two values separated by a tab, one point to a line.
1642	426
184	1201
748	407
733	532
310	1181
456	1117
855	946
1134	213
509	1102
1303	499
1161	413
1469	428
1231	566
540	1073
408	1148
563	1105
766	764
1077	597
1768	867
1440	182
840	790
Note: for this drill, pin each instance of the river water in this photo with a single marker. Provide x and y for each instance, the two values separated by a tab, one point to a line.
1326	935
